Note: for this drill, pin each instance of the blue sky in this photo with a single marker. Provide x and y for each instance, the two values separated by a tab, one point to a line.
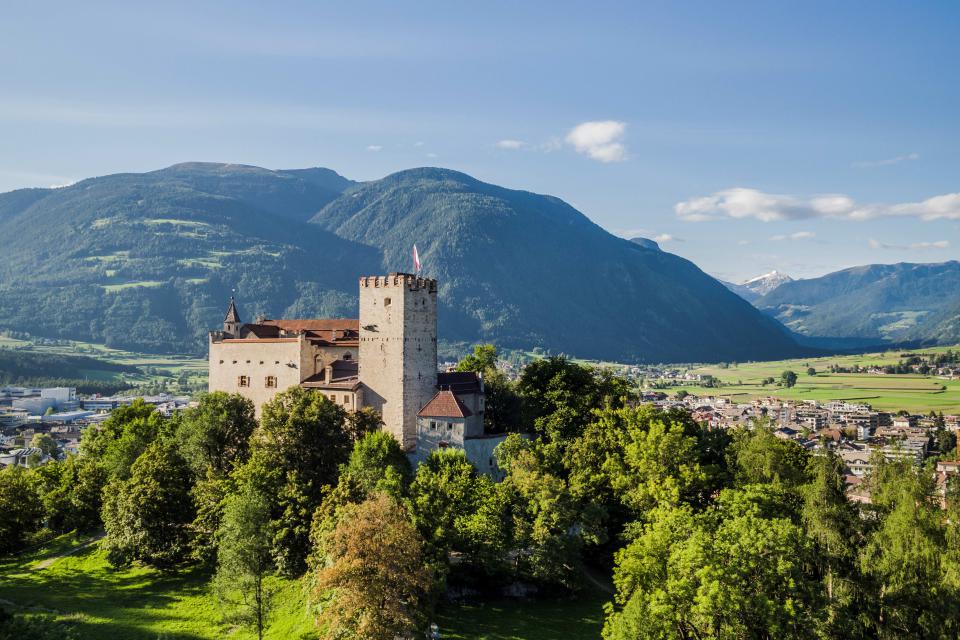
804	137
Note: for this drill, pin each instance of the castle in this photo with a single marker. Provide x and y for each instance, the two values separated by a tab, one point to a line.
386	360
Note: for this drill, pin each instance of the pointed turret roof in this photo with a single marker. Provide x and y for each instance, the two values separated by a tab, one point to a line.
232	314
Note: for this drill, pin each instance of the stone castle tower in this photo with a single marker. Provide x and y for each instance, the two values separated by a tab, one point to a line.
398	349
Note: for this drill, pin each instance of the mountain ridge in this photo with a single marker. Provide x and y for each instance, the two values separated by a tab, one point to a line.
146	261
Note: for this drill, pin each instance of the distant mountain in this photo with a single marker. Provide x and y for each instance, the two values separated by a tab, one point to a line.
528	270
646	243
147	261
754	288
880	302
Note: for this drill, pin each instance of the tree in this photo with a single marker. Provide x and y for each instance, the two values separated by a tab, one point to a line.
44	442
377	463
788	378
482	360
21	507
147	516
811	372
732	573
216	433
244	558
457	509
833	525
120	440
361	422
904	556
682	394
300	445
374	583
502	408
757	456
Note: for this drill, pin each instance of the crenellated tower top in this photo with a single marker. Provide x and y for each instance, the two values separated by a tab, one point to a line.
397	279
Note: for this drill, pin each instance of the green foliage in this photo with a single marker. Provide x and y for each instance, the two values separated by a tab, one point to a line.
147	516
296	452
788	378
122	437
244	558
44	442
457	510
757	456
377	463
21	506
215	434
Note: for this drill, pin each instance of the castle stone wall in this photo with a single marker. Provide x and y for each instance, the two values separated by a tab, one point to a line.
398	349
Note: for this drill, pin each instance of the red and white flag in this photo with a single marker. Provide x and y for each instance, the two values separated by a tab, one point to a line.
416	259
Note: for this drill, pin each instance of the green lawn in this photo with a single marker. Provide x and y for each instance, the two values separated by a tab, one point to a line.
144	604
884	392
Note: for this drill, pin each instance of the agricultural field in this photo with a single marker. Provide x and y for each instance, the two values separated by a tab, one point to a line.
154	369
911	392
76	584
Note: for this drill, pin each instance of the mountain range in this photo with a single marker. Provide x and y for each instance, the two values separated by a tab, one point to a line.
755	288
878	303
147	261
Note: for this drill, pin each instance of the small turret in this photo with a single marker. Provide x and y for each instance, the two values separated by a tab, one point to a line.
231	322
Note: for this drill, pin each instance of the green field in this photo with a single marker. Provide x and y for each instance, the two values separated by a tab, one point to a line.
884	392
145	604
154	368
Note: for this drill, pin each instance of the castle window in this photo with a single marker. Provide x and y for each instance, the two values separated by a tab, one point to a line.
271	382
347	356
221	362
243	381
449	426
234	362
386	302
346	399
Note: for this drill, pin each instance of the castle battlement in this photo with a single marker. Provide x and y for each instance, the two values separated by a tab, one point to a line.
410	281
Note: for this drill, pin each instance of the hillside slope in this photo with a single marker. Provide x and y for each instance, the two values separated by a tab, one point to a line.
147	261
890	302
529	270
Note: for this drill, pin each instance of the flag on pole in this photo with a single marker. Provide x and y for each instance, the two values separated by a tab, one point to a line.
416	259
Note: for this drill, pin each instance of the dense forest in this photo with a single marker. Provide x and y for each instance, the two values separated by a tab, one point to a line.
720	534
25	368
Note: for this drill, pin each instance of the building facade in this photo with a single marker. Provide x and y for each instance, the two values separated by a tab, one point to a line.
386	360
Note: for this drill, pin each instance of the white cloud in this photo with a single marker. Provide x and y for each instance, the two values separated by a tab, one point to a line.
936	244
419	143
601	140
431	155
741	203
799	235
866	164
511	144
666	237
374	147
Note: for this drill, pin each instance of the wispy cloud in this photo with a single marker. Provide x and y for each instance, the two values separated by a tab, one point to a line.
666	237
936	244
742	203
511	144
600	140
374	147
866	164
799	235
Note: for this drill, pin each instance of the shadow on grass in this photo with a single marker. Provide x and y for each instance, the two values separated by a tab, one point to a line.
116	604
576	618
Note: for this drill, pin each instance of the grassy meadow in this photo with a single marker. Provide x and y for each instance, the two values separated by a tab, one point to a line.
98	601
153	368
911	392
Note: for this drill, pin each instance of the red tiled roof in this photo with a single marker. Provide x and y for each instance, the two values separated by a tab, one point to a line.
316	324
445	405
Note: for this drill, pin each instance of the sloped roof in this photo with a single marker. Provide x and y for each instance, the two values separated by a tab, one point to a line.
459	381
232	314
445	405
